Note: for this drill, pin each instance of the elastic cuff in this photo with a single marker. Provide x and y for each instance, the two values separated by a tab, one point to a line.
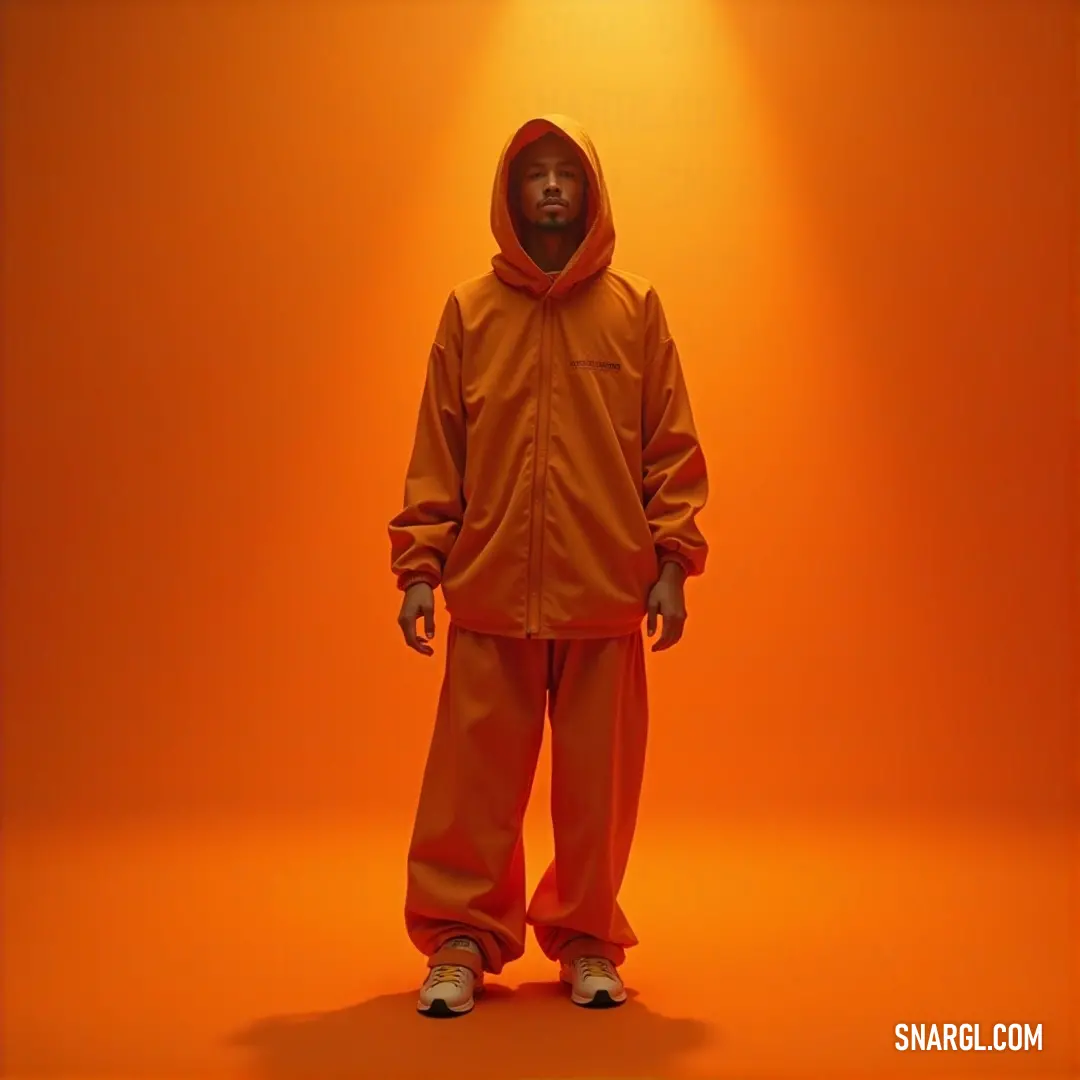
679	560
578	947
462	957
413	577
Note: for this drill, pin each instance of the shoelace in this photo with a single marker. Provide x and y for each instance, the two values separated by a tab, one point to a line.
447	973
593	966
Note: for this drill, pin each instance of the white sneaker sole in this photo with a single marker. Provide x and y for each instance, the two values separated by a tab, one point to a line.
440	1010
602	999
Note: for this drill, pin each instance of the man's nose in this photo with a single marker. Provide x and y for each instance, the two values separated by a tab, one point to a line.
552	184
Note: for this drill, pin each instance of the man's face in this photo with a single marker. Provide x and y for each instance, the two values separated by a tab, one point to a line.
551	183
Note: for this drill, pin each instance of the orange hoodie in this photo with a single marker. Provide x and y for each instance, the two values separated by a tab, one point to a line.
556	465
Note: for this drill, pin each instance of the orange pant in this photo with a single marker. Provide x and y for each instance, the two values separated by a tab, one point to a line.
466	859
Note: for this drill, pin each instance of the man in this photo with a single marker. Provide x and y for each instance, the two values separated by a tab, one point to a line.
552	494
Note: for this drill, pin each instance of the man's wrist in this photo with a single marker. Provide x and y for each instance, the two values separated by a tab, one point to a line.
673	570
417	577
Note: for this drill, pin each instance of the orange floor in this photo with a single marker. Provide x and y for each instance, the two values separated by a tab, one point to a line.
768	951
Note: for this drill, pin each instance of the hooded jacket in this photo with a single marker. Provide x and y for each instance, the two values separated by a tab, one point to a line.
556	464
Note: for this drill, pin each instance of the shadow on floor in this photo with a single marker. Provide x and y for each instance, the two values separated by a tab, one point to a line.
527	1033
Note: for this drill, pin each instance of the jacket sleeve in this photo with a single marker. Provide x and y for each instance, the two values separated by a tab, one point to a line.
675	478
422	535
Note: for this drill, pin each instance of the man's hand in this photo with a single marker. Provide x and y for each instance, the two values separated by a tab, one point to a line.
666	600
419	600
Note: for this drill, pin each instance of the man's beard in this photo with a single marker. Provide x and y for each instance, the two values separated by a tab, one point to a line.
554	224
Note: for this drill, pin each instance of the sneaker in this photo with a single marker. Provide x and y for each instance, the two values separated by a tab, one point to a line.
449	988
594	982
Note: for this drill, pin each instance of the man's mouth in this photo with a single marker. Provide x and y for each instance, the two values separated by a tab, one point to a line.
553	202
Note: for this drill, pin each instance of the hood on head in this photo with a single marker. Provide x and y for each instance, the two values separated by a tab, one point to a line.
512	264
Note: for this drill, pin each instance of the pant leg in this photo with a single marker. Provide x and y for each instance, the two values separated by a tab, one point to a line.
466	868
599	724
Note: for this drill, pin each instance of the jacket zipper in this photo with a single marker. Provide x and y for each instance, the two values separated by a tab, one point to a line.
540	448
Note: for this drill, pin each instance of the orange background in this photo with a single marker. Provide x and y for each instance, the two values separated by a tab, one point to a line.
228	232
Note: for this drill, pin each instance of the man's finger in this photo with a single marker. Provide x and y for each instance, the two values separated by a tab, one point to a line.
673	628
408	627
650	622
429	624
665	638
